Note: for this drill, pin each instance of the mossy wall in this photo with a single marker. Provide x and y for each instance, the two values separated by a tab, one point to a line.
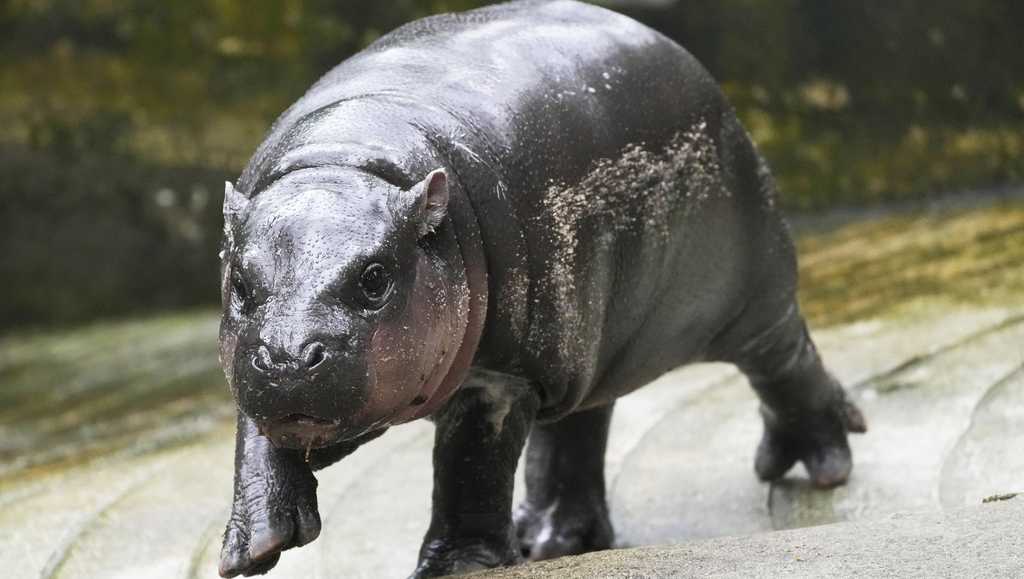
119	121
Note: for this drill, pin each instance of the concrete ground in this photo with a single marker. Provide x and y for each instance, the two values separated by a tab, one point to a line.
116	440
979	541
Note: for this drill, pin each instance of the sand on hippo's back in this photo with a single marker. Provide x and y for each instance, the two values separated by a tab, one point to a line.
641	190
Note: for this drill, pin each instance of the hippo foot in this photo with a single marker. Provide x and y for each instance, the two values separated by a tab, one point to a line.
440	557
819	442
259	531
565	528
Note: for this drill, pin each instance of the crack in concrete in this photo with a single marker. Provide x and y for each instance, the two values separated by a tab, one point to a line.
956	451
65	546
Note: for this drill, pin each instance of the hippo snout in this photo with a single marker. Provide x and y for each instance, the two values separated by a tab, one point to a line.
279	363
304	392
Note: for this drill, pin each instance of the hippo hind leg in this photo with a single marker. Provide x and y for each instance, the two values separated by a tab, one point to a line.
805	410
565	512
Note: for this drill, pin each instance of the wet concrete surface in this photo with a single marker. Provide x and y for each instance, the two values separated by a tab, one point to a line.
979	541
116	439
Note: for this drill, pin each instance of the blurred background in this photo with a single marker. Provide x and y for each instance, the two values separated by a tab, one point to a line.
895	129
120	119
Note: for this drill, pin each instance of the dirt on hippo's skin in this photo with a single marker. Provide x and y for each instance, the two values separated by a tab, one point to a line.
512	301
639	191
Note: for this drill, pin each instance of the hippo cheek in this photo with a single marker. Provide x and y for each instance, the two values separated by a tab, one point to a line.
226	357
231	342
398	365
411	361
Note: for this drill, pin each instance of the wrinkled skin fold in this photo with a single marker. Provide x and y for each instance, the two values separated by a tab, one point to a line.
274	506
503	221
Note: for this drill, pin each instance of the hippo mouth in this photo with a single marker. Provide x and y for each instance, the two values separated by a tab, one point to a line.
301	431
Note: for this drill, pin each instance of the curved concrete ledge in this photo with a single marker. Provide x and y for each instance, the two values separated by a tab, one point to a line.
980	541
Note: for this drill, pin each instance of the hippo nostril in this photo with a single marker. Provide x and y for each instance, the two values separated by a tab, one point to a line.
313	355
262	361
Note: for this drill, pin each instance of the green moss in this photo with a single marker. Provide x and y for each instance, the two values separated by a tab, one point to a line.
70	395
873	268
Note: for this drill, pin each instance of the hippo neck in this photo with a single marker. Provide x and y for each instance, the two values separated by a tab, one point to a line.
463	221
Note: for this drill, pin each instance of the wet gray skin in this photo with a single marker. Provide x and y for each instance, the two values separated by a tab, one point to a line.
316	329
503	220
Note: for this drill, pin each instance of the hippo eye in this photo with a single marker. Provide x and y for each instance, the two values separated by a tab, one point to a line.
376	284
241	289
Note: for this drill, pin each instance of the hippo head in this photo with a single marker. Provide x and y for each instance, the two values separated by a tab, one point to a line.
342	310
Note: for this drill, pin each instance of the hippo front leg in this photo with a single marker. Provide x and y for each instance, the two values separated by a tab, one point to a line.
480	434
274	505
565	511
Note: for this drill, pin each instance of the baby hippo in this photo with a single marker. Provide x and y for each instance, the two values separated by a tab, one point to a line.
503	220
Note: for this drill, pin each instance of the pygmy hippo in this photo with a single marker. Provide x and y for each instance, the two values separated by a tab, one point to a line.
503	220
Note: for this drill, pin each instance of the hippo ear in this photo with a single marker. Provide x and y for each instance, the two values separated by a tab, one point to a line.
431	201
234	204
